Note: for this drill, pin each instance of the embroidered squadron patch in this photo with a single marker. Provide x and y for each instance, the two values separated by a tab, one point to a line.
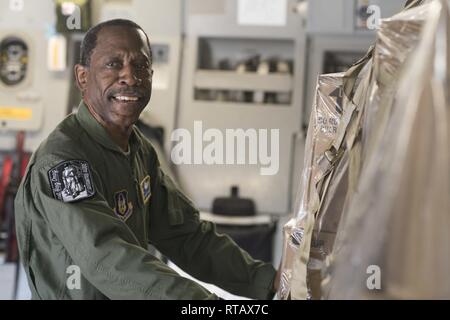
145	189
122	207
71	181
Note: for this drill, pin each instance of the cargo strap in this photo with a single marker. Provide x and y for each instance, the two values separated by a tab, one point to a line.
4	183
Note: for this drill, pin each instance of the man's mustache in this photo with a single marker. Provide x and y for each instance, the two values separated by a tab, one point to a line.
139	93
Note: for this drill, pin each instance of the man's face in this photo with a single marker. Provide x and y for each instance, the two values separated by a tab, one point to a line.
117	84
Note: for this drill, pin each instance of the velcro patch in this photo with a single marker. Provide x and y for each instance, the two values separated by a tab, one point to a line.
123	208
145	189
71	181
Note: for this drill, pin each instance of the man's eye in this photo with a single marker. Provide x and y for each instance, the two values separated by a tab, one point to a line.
112	64
141	66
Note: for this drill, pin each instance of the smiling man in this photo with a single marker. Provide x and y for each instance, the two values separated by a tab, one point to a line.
94	196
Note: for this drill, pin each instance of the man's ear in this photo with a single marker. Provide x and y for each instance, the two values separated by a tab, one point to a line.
81	75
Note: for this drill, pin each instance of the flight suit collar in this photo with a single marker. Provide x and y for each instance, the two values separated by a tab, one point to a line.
99	133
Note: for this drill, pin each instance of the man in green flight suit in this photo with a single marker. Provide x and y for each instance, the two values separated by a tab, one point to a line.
94	196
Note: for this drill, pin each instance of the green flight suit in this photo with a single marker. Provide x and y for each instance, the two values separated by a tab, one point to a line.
85	203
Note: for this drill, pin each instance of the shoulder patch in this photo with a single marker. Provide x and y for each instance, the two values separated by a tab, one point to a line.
71	181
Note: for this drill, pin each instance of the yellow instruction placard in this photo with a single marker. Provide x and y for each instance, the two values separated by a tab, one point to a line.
15	113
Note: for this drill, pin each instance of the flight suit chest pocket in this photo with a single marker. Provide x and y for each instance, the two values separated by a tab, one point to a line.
175	210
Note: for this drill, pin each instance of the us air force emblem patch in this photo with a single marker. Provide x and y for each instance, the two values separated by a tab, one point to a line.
122	207
71	181
145	189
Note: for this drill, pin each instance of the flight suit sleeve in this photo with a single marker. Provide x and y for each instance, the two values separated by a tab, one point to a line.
104	248
196	247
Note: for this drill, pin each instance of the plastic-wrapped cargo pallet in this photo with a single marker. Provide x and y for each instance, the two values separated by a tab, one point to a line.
324	121
387	185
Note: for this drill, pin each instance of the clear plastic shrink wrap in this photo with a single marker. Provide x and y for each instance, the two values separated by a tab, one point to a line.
398	219
379	174
325	117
